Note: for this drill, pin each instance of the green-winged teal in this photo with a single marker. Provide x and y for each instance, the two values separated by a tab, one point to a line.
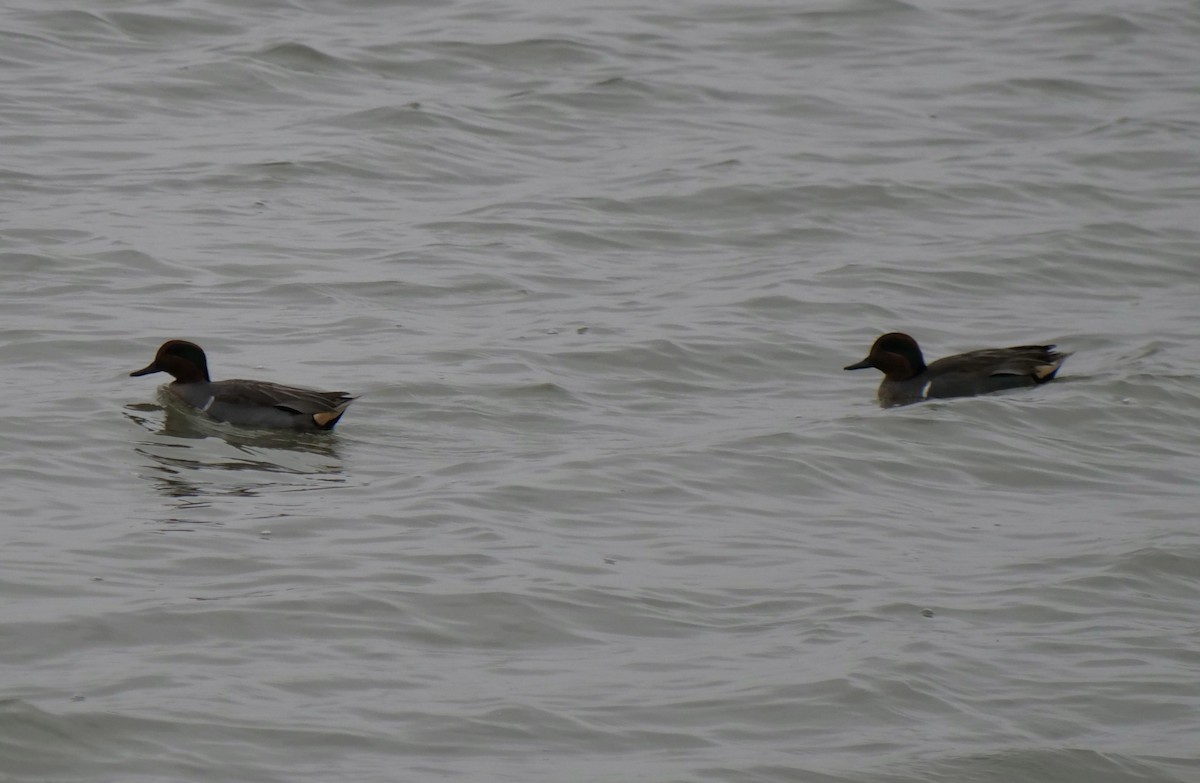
245	403
908	379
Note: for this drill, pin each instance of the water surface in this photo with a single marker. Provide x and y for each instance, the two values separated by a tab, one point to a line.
608	508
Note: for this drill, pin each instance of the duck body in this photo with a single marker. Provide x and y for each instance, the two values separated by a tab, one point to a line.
907	379
245	403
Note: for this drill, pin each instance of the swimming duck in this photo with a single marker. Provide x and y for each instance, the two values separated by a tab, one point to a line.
246	403
908	379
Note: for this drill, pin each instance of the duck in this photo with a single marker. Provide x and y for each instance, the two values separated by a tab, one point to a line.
258	404
907	379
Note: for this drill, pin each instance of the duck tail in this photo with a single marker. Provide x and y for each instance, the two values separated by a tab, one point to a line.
325	420
1054	359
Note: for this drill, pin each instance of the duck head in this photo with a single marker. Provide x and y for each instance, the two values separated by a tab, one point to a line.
182	360
896	355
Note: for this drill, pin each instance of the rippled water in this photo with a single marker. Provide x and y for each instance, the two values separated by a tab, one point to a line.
608	508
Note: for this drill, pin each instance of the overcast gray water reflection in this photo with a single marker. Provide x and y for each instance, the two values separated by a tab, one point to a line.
608	508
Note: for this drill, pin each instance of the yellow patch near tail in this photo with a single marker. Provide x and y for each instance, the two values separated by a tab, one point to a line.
1044	371
326	418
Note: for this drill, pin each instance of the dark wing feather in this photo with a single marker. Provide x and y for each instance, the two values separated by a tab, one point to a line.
288	398
993	369
1018	360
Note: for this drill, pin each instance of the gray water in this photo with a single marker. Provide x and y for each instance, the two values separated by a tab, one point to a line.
608	508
